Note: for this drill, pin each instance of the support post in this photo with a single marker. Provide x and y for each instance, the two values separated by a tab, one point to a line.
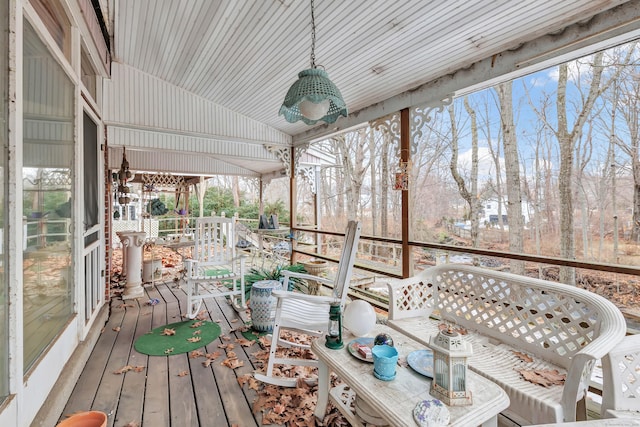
405	156
293	193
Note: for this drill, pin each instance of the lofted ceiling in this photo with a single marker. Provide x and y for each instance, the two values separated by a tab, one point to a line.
242	55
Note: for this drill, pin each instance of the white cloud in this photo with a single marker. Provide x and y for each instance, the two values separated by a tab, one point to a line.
486	165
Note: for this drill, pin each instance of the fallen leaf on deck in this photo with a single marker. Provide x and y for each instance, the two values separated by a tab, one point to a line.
232	355
244	342
123	370
279	408
194	339
243	379
168	351
195	354
132	424
183	373
168	331
264	341
198	332
523	356
543	377
213	355
232	363
225	338
197	324
117	329
129	368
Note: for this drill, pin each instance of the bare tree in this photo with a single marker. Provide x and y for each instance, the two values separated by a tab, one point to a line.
470	195
512	174
567	141
628	105
495	153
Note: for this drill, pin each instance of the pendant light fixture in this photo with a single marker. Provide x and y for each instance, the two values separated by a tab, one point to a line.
313	97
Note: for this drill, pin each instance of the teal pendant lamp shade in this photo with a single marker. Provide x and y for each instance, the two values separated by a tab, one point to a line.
313	86
313	97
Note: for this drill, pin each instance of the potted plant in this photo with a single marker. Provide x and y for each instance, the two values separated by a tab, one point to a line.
257	274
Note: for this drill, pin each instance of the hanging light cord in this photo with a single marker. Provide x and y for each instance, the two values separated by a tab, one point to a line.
313	38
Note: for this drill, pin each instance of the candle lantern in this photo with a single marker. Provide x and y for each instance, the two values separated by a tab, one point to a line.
450	363
334	338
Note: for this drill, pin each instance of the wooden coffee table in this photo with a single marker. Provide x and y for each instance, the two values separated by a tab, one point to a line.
395	400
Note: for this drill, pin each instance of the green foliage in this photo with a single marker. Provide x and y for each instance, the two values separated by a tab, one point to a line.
219	200
257	274
276	208
155	207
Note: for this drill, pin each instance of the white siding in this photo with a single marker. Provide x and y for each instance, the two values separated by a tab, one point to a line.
135	98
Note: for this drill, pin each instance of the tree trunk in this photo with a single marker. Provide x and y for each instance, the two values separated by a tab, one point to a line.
567	141
469	195
512	172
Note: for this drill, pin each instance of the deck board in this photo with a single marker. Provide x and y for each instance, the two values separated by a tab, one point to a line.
159	396
156	407
87	386
132	394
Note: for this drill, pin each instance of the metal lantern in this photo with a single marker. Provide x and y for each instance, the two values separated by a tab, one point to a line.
334	338
450	364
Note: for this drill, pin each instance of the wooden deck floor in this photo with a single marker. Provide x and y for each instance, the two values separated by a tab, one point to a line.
161	395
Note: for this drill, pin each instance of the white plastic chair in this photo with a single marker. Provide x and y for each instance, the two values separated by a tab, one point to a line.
621	380
308	314
214	270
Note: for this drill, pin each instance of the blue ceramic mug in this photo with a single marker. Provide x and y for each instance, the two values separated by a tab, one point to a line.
385	359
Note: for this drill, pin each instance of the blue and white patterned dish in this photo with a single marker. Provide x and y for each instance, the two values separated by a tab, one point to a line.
431	413
421	361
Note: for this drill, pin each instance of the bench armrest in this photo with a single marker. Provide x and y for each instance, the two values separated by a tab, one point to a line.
612	330
411	297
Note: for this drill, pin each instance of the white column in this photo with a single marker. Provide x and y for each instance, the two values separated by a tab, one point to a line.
124	251
133	241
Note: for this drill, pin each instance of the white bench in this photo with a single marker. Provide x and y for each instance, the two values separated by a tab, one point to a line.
560	327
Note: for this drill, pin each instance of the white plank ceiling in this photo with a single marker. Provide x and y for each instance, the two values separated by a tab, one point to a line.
237	58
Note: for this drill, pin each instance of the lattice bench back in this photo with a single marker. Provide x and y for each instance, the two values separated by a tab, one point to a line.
548	319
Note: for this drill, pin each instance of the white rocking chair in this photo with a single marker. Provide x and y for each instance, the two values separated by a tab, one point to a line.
308	314
214	270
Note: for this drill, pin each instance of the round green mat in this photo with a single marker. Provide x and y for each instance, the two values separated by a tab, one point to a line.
154	343
252	335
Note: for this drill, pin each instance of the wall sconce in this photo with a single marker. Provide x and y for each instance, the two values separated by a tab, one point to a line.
450	363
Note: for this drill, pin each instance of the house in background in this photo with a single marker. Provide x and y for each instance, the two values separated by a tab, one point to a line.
492	209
